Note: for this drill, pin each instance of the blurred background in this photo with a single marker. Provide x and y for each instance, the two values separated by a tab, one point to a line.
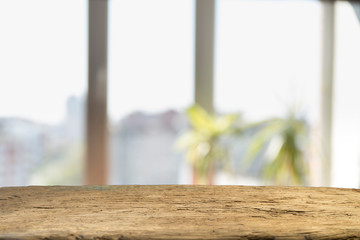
294	61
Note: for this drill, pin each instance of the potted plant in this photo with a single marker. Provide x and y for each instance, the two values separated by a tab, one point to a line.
202	143
284	142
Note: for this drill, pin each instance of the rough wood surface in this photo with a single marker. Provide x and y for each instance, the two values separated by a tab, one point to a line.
179	212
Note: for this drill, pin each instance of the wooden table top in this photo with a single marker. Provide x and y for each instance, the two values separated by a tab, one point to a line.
179	212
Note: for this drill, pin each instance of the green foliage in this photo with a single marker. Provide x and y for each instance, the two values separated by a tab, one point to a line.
282	139
202	141
284	142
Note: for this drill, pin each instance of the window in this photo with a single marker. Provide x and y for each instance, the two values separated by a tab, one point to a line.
150	84
43	82
346	126
268	61
267	57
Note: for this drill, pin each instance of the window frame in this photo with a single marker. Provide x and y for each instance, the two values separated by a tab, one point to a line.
97	129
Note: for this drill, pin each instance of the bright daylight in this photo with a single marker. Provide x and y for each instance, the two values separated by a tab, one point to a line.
267	82
179	119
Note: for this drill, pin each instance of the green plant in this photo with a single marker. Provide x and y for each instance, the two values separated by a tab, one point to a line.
283	140
202	142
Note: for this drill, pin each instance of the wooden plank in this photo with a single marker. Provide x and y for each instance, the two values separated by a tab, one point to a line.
179	212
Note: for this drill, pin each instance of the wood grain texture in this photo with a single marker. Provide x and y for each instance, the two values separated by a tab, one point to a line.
179	212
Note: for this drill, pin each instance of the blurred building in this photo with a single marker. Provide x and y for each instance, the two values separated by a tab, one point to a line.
142	149
29	149
22	145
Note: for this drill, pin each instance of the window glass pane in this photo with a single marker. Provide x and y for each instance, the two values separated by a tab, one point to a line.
268	56
150	83
43	63
346	125
268	60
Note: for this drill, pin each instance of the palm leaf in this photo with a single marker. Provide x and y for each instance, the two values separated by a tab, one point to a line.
268	131
200	120
288	166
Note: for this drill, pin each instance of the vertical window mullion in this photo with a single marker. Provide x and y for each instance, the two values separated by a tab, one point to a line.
97	132
327	71
204	54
